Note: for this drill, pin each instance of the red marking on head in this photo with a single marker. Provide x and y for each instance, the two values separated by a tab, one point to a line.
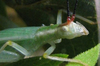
69	20
66	23
73	17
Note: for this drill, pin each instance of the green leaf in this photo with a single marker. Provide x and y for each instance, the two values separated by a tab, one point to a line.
89	57
61	55
38	61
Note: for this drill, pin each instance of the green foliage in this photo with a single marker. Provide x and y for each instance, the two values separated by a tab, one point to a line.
89	57
39	61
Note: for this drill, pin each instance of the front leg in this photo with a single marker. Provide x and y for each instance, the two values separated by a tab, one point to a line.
51	49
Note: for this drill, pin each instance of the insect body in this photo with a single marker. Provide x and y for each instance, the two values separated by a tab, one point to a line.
25	41
31	38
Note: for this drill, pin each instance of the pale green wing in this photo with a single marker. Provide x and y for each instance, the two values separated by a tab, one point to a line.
16	34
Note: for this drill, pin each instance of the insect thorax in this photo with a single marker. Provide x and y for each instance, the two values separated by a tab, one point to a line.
48	34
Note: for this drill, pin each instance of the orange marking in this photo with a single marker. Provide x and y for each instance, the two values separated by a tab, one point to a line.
66	23
73	17
69	20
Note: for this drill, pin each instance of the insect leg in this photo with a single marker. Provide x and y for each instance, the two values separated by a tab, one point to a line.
15	46
49	50
65	59
9	56
59	17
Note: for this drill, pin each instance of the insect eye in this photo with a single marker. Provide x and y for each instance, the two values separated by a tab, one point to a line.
64	28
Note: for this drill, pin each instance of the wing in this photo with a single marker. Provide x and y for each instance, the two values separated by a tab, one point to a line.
16	34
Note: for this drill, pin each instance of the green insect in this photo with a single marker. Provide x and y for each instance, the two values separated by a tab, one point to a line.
25	41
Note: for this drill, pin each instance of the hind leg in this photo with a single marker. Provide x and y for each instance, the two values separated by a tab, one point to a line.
7	56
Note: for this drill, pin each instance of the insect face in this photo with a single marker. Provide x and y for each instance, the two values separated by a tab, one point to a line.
73	30
70	29
83	30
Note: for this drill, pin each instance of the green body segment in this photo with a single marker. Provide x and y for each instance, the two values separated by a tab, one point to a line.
31	38
47	34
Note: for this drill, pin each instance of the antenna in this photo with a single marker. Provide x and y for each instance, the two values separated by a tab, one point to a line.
68	8
75	7
73	16
69	20
68	16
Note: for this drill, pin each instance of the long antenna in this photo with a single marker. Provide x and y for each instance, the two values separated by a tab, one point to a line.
69	20
75	7
68	15
73	16
68	8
